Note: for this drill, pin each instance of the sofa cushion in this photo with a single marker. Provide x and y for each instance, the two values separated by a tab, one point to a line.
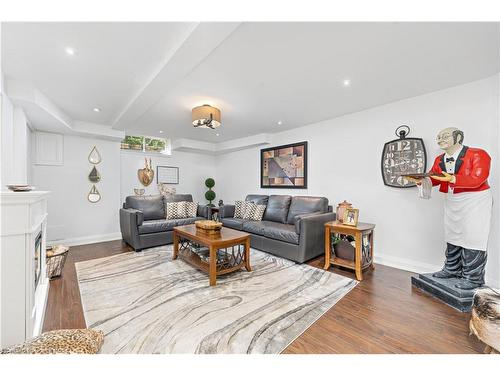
281	232
255	227
155	226
233	222
277	208
150	205
305	205
257	198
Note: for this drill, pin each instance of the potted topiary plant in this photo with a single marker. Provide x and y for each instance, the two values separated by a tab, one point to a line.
210	194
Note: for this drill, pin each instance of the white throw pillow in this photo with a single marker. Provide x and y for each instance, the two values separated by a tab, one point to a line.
191	209
176	210
254	211
239	209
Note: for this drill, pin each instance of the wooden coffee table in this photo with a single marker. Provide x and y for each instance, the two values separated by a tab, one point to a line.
225	252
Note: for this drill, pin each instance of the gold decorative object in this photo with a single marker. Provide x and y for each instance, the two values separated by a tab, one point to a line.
95	156
94	195
139	191
146	174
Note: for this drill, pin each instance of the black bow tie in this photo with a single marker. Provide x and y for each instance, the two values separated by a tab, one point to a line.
450	159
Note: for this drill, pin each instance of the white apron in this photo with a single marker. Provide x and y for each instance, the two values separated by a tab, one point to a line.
467	219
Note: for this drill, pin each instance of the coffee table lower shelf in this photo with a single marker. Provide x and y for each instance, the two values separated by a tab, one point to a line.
213	257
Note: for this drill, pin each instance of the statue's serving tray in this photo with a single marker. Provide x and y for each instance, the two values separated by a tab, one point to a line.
422	175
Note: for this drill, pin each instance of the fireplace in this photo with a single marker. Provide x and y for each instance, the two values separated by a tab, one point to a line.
24	285
38	258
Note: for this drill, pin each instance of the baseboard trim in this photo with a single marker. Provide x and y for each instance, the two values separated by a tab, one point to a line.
418	267
87	240
405	264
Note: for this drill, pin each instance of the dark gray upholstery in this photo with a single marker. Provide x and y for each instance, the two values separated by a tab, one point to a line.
150	205
233	222
282	232
143	223
300	241
277	208
226	210
257	199
163	225
255	227
305	205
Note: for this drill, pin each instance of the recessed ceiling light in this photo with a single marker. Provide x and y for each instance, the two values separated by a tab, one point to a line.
97	109
70	51
217	134
346	82
280	122
161	131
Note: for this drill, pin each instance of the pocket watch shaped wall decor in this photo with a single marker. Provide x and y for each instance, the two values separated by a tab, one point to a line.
403	156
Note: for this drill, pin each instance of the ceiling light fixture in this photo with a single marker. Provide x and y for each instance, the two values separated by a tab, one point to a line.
205	116
346	82
70	51
161	131
217	134
97	109
280	122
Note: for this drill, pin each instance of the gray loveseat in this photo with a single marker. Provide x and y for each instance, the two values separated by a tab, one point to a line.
143	220
292	227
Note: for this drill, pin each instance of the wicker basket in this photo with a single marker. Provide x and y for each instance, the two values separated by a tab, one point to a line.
208	225
56	257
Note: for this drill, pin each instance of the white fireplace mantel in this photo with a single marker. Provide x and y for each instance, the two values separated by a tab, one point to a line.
22	303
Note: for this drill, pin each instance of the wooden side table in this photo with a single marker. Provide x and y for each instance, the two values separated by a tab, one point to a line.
363	253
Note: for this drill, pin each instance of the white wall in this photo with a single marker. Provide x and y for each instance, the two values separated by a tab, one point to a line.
193	170
344	163
72	218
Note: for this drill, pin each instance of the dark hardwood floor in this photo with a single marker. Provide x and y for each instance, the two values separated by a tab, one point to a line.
383	314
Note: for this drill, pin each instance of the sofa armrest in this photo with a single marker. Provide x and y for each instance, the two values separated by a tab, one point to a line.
130	219
226	210
298	218
204	211
312	233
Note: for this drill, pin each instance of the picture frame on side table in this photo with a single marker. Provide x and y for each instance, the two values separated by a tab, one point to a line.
167	175
284	166
351	217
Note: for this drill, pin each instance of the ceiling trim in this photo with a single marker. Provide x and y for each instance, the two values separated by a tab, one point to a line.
202	41
191	145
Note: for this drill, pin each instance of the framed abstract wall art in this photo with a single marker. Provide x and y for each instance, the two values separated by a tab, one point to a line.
284	166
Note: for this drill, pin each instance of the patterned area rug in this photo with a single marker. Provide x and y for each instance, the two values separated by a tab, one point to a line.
147	303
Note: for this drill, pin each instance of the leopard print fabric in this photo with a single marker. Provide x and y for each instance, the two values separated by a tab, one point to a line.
64	341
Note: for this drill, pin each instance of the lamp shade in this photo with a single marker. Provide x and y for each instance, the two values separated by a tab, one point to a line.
201	116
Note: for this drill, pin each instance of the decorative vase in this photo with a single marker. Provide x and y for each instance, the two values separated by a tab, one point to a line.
341	209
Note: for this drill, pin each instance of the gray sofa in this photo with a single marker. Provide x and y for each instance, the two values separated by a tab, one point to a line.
143	220
292	227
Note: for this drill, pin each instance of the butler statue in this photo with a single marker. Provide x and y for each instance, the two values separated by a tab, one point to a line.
461	173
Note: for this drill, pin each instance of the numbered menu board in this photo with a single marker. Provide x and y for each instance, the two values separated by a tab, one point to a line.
401	157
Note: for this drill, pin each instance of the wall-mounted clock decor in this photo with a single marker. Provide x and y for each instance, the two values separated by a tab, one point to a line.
403	156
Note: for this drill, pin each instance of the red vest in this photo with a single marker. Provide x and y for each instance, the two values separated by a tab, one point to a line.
472	169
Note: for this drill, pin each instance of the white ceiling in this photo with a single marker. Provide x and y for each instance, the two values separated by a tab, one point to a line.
146	77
